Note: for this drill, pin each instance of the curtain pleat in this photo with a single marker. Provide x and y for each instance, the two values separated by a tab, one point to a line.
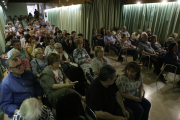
2	28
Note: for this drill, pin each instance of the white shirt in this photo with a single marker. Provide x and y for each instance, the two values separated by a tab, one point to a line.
48	51
12	29
134	37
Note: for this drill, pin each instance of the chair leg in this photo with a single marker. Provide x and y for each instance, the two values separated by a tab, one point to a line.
158	76
174	80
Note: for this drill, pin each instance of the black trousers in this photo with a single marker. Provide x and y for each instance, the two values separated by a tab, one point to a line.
157	62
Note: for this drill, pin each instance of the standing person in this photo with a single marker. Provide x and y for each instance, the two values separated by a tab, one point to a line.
36	13
104	99
130	85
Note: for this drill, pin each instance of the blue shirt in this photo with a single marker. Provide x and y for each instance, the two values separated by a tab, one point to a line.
80	56
108	38
15	90
23	54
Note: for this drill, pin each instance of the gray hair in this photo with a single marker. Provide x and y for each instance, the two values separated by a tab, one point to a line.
31	109
35	51
56	45
13	58
11	52
142	34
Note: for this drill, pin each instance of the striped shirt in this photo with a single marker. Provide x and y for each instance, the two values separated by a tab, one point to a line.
46	115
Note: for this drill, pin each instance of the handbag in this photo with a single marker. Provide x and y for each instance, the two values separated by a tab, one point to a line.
39	68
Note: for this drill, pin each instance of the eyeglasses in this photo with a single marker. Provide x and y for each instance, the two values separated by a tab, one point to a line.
18	66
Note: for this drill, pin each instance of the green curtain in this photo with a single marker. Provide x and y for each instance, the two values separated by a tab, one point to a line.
85	17
2	28
162	19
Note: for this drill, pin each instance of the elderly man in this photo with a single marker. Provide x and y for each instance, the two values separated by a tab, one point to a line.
110	40
149	35
104	98
17	86
146	49
48	27
125	32
17	45
16	53
39	38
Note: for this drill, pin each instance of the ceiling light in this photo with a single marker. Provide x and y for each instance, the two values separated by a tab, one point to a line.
138	2
164	2
178	1
3	1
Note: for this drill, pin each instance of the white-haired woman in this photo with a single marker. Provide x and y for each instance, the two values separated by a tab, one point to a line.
39	63
32	109
99	61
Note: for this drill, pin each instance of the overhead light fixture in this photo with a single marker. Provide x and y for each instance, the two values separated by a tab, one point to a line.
164	2
3	1
6	7
138	2
178	1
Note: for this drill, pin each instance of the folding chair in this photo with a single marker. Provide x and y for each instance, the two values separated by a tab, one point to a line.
148	61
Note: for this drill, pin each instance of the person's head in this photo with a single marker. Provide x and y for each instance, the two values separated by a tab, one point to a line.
133	70
148	31
124	28
15	53
173	46
34	28
42	27
29	26
58	47
38	33
56	29
80	36
95	31
38	53
174	35
64	32
73	33
108	32
99	51
68	37
25	19
31	109
144	37
107	74
138	31
16	44
51	41
118	30
154	38
42	20
17	22
53	60
59	34
124	37
35	10
32	41
52	26
103	30
20	28
79	43
15	66
9	38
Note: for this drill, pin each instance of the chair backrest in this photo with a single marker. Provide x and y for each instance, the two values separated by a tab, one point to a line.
69	107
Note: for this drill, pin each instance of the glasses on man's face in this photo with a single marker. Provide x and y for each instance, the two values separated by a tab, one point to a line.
59	48
18	66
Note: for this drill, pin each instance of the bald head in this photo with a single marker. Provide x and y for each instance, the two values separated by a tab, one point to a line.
15	53
108	32
144	37
124	28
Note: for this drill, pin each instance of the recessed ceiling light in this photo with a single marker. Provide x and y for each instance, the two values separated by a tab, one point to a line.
164	2
138	2
3	1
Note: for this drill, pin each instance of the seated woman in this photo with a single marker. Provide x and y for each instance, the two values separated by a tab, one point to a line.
64	57
118	36
172	57
32	45
99	61
157	46
82	58
32	109
39	63
130	85
54	82
171	39
50	48
126	44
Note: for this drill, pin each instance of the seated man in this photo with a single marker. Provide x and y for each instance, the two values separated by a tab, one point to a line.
17	86
146	49
125	32
8	40
109	39
149	35
17	45
135	36
26	64
59	38
97	38
39	38
86	45
104	98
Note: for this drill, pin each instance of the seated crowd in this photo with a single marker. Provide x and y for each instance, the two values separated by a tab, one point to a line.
40	57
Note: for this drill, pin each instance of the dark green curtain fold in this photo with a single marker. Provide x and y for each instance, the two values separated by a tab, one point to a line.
162	19
101	13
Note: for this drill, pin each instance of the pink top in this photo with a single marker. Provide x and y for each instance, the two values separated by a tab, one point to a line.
26	63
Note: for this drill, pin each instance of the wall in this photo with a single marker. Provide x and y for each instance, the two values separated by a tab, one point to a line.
16	9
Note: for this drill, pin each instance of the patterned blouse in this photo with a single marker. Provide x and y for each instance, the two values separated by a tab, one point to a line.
127	86
46	115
